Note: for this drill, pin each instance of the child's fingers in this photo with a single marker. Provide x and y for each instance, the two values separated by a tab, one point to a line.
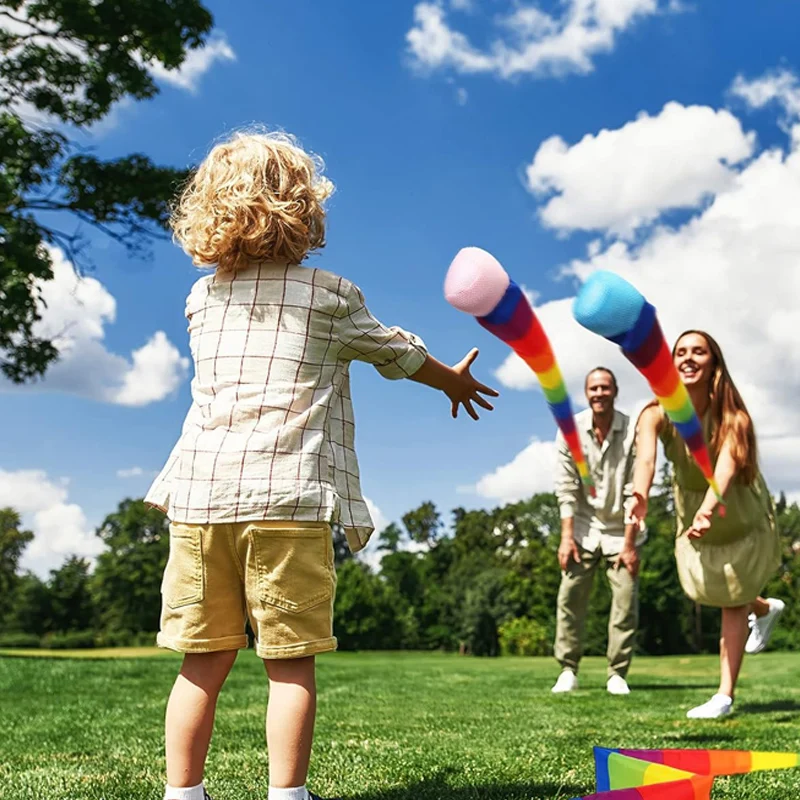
487	390
454	409
481	402
470	410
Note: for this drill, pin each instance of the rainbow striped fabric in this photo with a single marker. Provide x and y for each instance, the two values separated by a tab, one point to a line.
674	774
477	284
611	307
515	323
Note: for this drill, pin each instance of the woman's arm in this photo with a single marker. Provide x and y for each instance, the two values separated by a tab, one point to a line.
724	472
644	467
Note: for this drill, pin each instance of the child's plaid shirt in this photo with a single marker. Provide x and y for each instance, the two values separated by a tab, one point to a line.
270	433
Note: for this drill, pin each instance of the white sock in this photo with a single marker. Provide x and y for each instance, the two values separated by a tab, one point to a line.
187	793
299	793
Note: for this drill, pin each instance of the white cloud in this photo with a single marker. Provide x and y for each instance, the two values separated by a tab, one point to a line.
136	472
462	96
372	554
619	180
780	462
527	41
60	528
780	86
529	472
733	269
75	314
196	64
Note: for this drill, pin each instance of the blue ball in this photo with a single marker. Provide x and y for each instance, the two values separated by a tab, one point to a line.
607	304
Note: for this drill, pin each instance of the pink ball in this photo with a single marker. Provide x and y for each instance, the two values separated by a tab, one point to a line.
475	282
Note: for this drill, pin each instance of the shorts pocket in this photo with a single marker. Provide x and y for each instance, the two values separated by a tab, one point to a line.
184	576
294	567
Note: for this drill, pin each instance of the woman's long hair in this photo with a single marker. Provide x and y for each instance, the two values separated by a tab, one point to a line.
731	421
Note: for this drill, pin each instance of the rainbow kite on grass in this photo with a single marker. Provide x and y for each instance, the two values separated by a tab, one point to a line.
675	774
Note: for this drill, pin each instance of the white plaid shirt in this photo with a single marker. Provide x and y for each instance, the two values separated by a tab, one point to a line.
270	433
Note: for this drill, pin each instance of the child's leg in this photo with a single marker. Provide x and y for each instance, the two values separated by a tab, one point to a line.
731	649
290	719
190	714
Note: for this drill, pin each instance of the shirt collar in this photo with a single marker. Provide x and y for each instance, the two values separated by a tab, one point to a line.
616	423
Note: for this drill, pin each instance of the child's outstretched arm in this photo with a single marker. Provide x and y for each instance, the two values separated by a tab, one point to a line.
456	382
398	354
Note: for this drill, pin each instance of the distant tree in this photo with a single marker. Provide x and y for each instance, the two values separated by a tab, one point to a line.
13	541
390	538
423	524
66	64
28	606
70	601
126	584
366	611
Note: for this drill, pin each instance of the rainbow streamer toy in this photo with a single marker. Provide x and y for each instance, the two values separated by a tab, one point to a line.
611	307
674	774
477	284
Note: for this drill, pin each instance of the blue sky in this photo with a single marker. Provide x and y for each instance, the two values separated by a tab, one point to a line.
437	125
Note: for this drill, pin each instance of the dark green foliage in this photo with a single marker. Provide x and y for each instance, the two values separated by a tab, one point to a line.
66	63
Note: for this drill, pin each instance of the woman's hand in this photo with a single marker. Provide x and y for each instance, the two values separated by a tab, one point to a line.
701	524
636	510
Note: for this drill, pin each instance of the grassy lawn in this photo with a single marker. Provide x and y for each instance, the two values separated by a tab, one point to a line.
390	726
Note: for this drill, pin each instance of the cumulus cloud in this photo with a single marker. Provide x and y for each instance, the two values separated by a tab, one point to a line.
75	313
526	40
779	86
529	472
618	180
732	269
196	64
60	528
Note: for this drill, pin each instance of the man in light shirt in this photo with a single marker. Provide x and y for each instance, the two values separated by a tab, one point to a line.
594	532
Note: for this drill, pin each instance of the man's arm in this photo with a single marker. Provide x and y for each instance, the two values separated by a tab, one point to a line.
568	484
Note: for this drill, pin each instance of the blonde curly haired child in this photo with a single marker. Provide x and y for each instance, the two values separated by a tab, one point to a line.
265	465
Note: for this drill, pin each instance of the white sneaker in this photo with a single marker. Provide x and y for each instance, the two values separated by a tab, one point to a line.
761	627
567	682
720	705
617	685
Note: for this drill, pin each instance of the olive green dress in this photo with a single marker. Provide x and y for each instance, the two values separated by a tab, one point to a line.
741	551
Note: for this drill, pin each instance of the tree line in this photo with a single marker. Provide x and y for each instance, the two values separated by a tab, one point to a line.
485	585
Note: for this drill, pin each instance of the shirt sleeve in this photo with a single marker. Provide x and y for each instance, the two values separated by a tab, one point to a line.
395	353
568	479
159	493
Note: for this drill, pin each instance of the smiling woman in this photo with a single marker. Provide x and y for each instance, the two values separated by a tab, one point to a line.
723	561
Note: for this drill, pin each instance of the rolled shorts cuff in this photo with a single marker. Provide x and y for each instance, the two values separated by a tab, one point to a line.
300	650
202	645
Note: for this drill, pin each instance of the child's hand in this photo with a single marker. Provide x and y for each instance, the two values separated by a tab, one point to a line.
464	390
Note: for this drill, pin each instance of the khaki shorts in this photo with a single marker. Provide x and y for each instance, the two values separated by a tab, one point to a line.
280	575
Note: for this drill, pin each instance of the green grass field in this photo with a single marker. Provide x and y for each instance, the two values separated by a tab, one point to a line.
390	726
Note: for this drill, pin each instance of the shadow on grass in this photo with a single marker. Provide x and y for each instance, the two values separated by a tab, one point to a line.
702	738
773	705
656	687
438	788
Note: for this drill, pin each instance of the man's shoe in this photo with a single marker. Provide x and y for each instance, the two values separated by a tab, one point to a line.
720	705
567	682
617	685
761	627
